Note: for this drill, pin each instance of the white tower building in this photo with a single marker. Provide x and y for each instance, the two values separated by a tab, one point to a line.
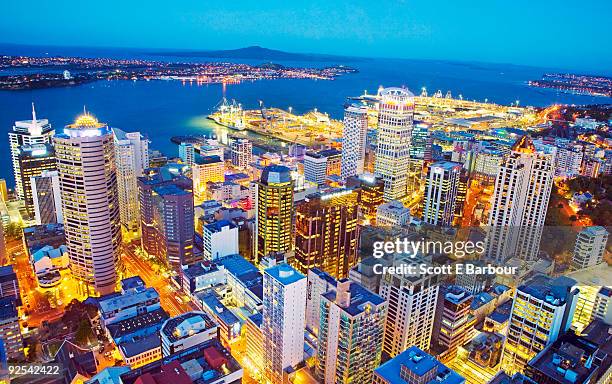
590	247
284	308
354	140
519	203
411	309
131	159
242	153
90	204
441	193
27	132
395	119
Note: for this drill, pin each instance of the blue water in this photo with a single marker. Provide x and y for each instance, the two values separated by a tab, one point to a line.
162	109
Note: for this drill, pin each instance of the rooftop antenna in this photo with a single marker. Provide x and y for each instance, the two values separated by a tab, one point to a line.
33	114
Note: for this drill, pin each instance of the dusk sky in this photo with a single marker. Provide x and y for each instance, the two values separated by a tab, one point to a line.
563	33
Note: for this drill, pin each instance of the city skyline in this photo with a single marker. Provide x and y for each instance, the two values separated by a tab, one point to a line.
262	216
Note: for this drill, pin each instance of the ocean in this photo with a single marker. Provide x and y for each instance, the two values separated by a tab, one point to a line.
162	109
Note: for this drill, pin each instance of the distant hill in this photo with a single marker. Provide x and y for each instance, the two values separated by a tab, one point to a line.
259	53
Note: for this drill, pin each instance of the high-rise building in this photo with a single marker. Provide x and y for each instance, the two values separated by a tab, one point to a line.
370	191
9	285
27	132
206	169
33	161
568	160
354	140
318	283
412	306
273	211
242	153
3	254
454	323
131	159
519	203
10	331
542	310
351	331
90	203
421	141
319	165
590	247
47	198
327	233
219	239
573	359
395	119
283	324
392	213
602	306
167	215
441	193
187	153
414	366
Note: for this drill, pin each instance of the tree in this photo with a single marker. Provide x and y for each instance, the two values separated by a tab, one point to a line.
84	332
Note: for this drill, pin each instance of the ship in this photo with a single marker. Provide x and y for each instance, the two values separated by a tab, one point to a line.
230	115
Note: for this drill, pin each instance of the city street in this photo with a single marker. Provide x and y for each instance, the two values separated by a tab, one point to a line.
169	297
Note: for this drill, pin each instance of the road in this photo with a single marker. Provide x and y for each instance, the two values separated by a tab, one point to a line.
136	266
34	302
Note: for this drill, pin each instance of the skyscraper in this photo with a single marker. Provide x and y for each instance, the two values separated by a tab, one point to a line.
187	153
351	331
27	132
47	198
242	153
454	322
421	141
205	169
167	215
519	203
354	140
542	311
412	305
274	211
326	233
590	247
283	324
395	118
441	193
131	159
88	183
33	161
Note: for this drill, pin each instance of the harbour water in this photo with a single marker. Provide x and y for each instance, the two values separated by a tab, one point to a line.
162	109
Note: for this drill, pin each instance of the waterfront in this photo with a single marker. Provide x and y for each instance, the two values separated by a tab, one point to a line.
162	109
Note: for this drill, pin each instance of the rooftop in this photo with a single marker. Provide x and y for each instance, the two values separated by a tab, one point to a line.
553	291
360	298
179	327
115	303
284	274
140	345
275	174
218	226
418	363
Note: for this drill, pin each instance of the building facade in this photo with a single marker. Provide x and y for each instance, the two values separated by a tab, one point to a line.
27	132
354	140
327	233
131	159
441	192
283	321
90	203
395	120
273	212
